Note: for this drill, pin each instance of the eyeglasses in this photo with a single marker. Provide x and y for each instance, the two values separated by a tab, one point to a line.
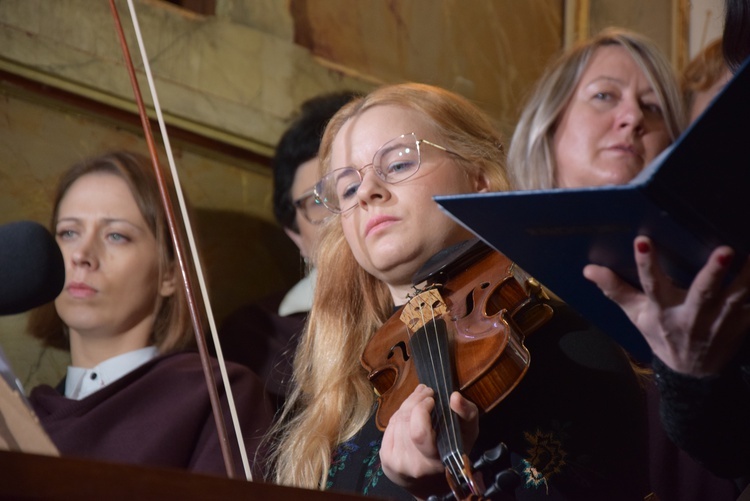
395	161
311	208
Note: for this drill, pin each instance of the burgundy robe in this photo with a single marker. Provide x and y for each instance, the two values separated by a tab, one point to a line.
157	415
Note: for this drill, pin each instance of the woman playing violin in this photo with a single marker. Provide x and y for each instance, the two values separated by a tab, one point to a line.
132	393
574	425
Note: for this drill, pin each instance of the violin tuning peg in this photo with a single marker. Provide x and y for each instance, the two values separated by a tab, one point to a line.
492	457
505	482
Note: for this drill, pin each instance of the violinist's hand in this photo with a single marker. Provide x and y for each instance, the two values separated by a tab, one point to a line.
409	454
694	332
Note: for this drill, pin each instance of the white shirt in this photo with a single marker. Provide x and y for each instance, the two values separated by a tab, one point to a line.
299	298
80	382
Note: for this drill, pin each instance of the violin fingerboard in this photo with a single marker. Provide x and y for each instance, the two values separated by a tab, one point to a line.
431	353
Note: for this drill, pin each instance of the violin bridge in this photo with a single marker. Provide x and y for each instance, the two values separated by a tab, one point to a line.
425	306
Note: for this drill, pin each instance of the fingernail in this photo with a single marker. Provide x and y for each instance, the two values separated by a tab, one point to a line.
725	259
643	247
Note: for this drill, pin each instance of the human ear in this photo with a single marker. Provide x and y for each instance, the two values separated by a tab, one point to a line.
168	283
481	182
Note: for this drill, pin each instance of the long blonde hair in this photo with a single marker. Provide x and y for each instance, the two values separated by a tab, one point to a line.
331	398
531	159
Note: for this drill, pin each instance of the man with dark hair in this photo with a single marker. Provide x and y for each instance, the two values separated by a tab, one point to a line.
264	335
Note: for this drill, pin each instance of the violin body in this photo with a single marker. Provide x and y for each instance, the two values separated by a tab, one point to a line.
489	307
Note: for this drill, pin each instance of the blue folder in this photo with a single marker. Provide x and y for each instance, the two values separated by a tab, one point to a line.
692	198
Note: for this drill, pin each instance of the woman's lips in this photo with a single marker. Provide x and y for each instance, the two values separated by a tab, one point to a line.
378	222
80	290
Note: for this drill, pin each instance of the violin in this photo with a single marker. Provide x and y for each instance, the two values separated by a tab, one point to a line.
463	329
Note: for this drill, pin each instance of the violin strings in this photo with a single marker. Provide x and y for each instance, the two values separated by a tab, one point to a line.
191	242
452	459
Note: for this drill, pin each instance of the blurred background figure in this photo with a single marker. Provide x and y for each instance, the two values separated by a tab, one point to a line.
263	335
703	78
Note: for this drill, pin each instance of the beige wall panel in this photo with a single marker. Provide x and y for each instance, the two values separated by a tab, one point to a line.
245	254
489	51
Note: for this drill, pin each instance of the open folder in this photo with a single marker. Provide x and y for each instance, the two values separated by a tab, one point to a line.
692	198
20	429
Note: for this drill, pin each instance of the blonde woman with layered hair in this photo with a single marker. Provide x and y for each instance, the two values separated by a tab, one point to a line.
331	393
599	115
386	226
531	159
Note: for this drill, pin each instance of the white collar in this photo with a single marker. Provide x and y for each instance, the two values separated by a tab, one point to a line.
81	382
299	298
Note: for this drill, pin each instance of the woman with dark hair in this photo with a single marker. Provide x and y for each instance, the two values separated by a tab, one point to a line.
133	393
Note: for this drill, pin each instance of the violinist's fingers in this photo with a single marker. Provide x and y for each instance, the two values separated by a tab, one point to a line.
408	452
468	413
465	408
421	432
410	428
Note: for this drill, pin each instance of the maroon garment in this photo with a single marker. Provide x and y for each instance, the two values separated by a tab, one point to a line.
257	337
157	415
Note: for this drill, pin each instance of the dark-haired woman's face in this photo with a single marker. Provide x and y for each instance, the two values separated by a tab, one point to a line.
111	263
613	125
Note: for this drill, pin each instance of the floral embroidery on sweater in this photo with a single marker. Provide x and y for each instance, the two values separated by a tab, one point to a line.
339	460
546	458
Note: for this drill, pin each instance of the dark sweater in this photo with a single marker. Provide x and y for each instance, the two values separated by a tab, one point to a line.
709	417
575	425
157	415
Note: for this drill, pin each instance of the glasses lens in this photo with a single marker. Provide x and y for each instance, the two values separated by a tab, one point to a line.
338	189
398	159
313	209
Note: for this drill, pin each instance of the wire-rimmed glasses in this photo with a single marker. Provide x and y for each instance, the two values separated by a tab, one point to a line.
311	207
395	161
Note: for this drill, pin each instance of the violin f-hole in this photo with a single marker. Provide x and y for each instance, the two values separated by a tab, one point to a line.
404	351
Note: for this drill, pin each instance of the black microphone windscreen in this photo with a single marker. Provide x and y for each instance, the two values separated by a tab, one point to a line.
32	270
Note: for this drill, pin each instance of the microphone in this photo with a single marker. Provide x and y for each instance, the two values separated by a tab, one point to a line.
32	270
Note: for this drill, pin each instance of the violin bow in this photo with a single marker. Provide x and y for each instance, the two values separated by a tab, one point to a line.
179	251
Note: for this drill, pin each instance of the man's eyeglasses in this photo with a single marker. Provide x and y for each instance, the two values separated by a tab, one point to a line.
395	161
311	207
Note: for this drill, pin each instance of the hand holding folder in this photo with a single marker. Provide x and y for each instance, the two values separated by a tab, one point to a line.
691	199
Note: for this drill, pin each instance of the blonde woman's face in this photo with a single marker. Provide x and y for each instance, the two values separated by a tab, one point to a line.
613	125
395	228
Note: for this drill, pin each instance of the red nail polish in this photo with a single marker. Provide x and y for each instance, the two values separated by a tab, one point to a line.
725	260
643	247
